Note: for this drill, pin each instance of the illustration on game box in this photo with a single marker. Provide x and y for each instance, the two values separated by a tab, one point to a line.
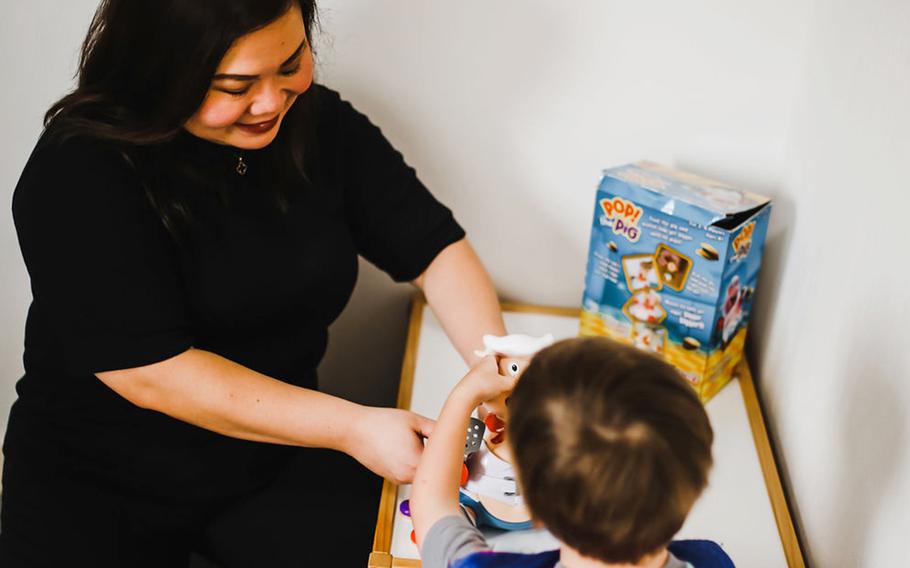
672	268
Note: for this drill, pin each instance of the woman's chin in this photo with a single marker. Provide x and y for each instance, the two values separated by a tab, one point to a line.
246	141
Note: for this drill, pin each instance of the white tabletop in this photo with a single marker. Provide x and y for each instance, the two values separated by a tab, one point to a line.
735	510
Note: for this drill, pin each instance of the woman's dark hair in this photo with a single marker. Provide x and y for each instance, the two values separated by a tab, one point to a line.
146	67
612	447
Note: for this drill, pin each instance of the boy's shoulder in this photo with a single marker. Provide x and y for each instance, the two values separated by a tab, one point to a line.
701	553
696	553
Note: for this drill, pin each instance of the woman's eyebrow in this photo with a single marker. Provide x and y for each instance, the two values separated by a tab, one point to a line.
295	54
236	77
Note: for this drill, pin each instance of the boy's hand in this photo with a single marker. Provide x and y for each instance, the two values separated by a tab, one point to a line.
484	382
435	490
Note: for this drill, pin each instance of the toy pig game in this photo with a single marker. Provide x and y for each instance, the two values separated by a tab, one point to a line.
672	268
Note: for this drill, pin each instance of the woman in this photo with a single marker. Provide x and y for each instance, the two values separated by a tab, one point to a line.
190	221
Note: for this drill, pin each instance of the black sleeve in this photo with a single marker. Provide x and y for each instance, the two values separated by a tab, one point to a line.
396	223
103	271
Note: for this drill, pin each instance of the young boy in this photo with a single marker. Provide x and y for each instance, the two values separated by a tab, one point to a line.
611	447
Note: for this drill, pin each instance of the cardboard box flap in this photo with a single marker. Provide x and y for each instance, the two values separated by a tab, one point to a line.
697	199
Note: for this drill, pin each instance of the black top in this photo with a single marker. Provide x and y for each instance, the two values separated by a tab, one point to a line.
112	289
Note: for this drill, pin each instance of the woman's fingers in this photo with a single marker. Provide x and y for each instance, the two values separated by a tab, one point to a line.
423	425
409	451
387	442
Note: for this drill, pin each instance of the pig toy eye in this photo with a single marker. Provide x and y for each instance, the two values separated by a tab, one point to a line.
513	369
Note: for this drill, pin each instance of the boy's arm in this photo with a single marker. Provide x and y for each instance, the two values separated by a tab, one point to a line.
437	481
438	478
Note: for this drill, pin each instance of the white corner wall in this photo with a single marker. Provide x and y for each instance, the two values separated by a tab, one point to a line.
832	343
510	109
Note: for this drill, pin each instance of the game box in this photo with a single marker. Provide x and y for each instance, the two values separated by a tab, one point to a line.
672	268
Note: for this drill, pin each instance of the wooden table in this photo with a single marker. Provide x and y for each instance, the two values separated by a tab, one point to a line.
743	508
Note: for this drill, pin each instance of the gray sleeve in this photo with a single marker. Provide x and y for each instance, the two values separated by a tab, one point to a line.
449	539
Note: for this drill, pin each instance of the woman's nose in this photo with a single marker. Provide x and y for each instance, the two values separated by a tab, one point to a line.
268	101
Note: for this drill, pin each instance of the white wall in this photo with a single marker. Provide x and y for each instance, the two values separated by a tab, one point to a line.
509	110
832	341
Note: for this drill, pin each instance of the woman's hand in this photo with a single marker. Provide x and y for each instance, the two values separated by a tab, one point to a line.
389	441
484	382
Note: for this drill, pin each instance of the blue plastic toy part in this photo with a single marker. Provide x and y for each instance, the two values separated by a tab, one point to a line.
486	519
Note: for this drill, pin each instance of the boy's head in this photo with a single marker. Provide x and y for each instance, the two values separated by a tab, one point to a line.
612	447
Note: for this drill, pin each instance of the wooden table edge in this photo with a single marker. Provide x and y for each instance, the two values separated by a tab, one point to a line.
779	505
382	539
386	560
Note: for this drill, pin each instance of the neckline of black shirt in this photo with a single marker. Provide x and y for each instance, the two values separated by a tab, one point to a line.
224	157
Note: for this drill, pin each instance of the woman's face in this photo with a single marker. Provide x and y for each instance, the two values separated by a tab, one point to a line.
255	84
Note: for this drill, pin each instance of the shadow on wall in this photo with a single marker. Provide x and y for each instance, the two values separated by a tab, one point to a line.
873	441
366	344
768	293
768	290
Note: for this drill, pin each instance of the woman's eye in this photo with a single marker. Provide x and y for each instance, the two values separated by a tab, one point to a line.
513	369
291	71
239	93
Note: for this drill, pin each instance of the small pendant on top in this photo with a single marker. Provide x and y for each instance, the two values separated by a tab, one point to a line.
241	166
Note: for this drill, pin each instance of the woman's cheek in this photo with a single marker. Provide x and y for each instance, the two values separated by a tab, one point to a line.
297	86
219	113
302	80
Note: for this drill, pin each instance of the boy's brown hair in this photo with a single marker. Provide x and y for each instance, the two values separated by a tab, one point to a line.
612	447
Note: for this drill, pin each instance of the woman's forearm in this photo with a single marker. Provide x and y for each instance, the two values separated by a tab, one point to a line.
212	392
462	296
